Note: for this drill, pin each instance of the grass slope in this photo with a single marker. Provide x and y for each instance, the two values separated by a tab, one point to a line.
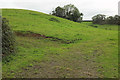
93	51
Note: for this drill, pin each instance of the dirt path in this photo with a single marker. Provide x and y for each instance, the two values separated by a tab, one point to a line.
69	64
57	66
61	67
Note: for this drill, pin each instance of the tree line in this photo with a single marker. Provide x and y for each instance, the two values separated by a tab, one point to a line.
71	12
102	19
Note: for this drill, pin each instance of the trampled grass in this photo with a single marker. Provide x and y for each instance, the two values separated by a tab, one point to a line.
92	47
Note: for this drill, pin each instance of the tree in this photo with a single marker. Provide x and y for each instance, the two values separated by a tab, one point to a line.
113	19
72	13
117	19
110	20
99	19
60	12
69	12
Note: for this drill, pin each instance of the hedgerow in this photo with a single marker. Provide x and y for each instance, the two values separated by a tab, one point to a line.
8	40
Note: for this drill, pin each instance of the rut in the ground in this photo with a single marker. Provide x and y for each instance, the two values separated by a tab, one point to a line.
36	35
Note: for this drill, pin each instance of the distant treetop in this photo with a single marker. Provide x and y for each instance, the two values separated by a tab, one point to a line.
69	12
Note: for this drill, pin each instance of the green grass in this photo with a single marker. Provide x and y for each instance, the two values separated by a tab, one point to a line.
29	51
105	26
24	20
99	44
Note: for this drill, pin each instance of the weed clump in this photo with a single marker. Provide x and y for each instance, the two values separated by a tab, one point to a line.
96	26
8	40
54	19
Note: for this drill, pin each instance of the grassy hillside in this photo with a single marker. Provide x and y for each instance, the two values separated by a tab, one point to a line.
23	20
42	37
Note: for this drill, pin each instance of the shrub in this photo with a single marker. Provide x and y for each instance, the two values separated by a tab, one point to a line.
8	40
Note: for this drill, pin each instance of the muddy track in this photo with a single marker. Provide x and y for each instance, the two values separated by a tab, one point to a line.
36	35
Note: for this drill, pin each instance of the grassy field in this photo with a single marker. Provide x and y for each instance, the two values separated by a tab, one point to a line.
52	47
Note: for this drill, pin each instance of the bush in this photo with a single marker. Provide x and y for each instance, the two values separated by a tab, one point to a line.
8	40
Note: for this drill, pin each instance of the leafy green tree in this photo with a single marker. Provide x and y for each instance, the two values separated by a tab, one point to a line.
110	20
99	19
72	13
113	19
60	12
69	12
117	19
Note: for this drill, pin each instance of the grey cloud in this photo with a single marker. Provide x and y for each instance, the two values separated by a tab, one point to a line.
88	7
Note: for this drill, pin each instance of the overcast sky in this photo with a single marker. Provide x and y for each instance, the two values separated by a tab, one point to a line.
88	7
